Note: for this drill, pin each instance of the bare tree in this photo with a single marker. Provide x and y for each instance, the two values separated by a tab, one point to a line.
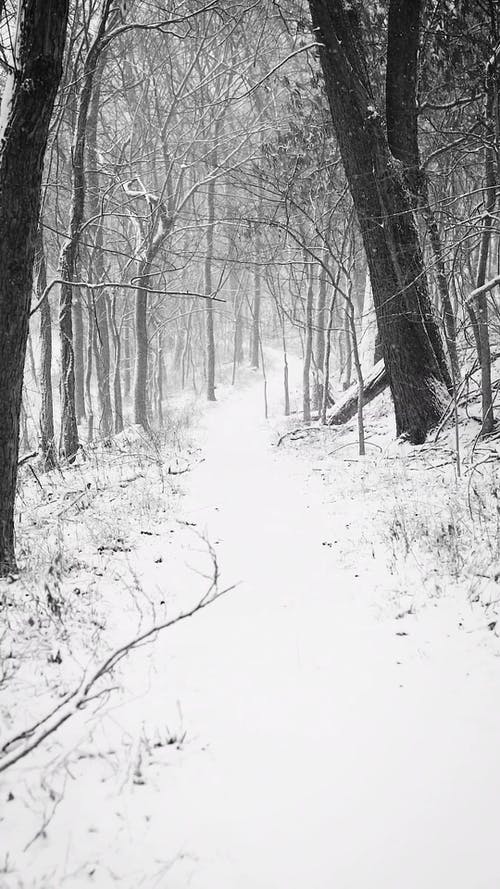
26	110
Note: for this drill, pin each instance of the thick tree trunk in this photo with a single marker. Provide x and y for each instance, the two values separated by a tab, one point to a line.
403	41
27	103
412	346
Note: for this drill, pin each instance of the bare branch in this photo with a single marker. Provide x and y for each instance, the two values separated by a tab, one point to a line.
31	738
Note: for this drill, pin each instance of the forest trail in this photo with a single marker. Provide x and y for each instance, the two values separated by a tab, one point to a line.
324	746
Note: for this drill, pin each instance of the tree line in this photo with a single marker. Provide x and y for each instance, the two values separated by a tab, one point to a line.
184	183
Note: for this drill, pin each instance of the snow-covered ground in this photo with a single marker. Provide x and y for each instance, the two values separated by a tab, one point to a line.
332	721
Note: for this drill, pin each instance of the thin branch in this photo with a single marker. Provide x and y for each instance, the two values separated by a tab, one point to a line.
34	736
130	286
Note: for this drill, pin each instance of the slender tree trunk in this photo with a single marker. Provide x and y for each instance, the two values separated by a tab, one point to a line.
69	253
187	346
320	341
27	104
101	297
347	350
141	349
78	356
91	335
25	436
159	379
127	358
481	301
159	226
47	440
411	342
209	306
117	383
306	370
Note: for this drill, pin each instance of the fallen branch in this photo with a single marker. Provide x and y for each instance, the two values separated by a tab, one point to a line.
346	408
303	430
31	738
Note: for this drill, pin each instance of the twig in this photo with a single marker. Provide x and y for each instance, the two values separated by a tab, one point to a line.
26	458
34	736
304	429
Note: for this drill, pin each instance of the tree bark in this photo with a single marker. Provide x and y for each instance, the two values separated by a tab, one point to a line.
69	253
26	110
319	356
47	440
101	298
481	300
411	342
141	348
159	226
209	306
306	369
403	41
117	382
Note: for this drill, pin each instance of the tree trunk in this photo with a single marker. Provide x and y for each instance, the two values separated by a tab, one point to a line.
403	40
69	253
47	440
91	334
127	357
117	383
306	370
141	349
411	342
481	300
27	104
326	362
209	306
101	298
320	341
78	356
159	226
159	379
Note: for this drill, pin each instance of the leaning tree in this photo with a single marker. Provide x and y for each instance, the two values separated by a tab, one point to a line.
411	342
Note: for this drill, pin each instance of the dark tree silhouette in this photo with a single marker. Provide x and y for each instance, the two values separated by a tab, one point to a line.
27	105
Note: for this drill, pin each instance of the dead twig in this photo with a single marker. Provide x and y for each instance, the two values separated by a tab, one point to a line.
26	458
29	739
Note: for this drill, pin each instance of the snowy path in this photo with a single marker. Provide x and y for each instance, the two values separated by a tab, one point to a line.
329	764
322	749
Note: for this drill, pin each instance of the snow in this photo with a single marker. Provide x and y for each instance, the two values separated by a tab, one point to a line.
332	721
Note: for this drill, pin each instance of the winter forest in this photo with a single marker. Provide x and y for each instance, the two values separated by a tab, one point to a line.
249	444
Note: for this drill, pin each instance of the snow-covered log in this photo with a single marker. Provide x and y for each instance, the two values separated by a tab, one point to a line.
346	408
